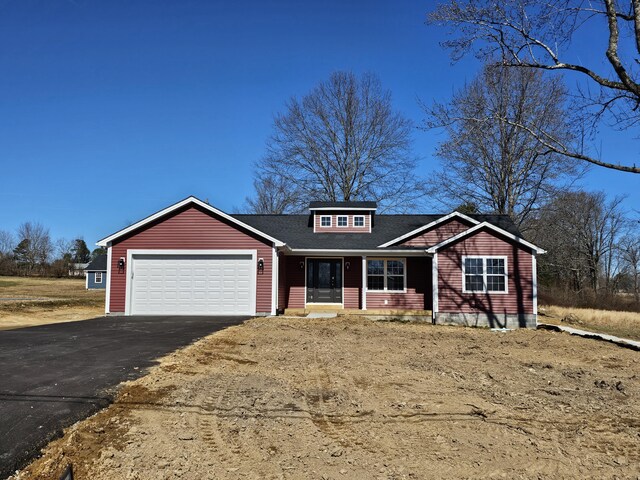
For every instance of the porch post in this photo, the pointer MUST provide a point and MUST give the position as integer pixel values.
(364, 282)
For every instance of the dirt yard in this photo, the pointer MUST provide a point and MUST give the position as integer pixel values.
(347, 398)
(29, 301)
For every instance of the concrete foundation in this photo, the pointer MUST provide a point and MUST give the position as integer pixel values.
(491, 320)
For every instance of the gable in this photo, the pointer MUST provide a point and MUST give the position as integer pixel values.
(437, 233)
(189, 227)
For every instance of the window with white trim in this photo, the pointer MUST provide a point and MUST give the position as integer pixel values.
(386, 275)
(358, 221)
(484, 274)
(325, 221)
(98, 278)
(343, 221)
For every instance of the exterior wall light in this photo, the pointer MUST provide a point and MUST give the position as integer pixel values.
(261, 265)
(347, 266)
(121, 263)
(301, 265)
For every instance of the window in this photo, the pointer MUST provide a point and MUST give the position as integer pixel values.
(343, 221)
(325, 221)
(358, 221)
(98, 277)
(485, 274)
(386, 275)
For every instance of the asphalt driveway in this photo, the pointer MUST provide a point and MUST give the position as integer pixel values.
(53, 375)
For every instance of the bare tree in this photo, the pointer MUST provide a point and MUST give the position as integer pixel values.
(486, 160)
(535, 35)
(341, 142)
(34, 246)
(272, 195)
(581, 231)
(7, 243)
(630, 256)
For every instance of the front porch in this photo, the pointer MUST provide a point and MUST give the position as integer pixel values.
(385, 286)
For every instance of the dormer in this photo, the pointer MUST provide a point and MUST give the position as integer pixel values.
(342, 217)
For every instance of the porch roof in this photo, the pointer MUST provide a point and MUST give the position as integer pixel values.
(297, 231)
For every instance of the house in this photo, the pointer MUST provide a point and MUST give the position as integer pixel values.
(77, 269)
(96, 273)
(193, 259)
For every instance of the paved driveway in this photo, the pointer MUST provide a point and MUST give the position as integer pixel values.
(54, 375)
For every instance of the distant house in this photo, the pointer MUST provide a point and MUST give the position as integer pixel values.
(77, 269)
(96, 273)
(193, 259)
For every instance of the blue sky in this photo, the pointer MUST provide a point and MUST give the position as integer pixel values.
(111, 110)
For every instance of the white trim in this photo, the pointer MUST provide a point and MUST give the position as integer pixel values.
(364, 221)
(490, 226)
(105, 241)
(354, 253)
(484, 274)
(430, 225)
(345, 209)
(129, 270)
(364, 282)
(275, 262)
(86, 280)
(330, 217)
(107, 299)
(305, 281)
(534, 269)
(434, 285)
(338, 217)
(404, 271)
(95, 278)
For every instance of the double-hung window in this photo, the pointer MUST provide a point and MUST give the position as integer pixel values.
(98, 278)
(325, 221)
(358, 221)
(343, 221)
(484, 274)
(387, 275)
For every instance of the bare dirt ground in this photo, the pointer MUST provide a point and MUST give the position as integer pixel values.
(347, 398)
(29, 301)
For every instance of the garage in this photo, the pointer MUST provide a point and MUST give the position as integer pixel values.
(191, 283)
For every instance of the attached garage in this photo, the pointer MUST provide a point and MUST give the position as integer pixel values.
(191, 259)
(192, 283)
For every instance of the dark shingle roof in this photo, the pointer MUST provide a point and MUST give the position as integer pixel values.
(371, 205)
(98, 264)
(297, 230)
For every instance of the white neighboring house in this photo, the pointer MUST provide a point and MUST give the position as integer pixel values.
(78, 269)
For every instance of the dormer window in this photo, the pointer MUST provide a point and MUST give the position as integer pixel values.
(358, 221)
(343, 221)
(325, 221)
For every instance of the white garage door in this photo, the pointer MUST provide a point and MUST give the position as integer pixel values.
(193, 284)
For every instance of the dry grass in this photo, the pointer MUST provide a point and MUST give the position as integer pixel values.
(27, 301)
(622, 324)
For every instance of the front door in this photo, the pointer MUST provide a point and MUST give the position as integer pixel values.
(324, 280)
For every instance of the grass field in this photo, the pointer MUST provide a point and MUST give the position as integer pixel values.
(622, 324)
(27, 301)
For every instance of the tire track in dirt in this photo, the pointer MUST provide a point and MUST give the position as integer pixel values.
(337, 427)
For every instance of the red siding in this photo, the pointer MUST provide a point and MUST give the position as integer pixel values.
(437, 234)
(191, 229)
(282, 280)
(418, 295)
(295, 287)
(334, 222)
(519, 269)
(352, 282)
